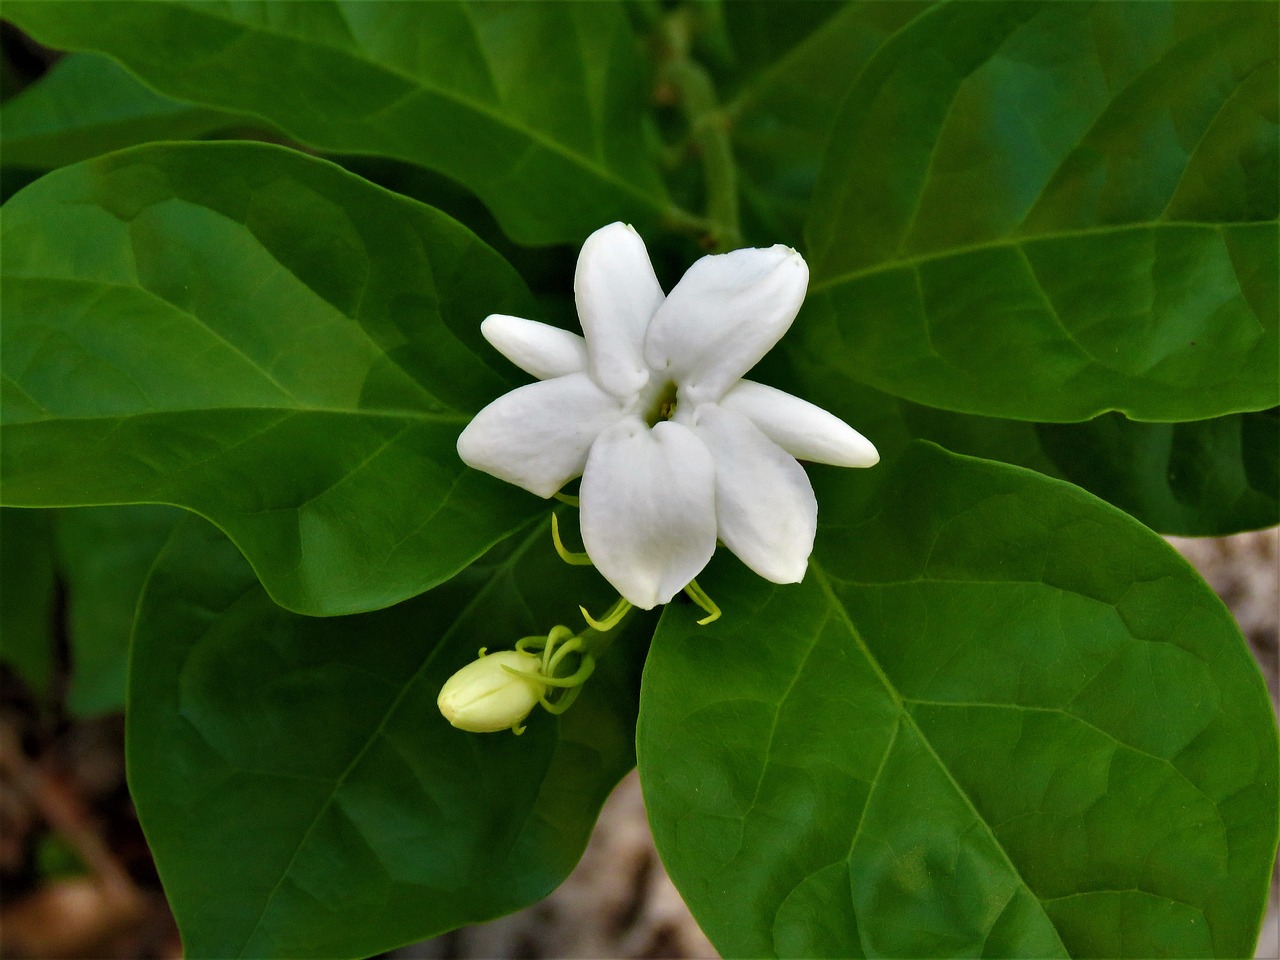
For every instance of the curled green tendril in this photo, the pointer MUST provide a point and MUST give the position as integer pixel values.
(576, 679)
(568, 556)
(564, 703)
(610, 619)
(699, 596)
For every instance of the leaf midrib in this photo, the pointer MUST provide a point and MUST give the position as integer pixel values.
(421, 84)
(417, 416)
(1020, 242)
(201, 324)
(905, 717)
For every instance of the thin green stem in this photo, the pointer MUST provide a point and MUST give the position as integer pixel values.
(708, 130)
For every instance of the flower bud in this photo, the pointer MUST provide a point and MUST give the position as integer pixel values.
(482, 697)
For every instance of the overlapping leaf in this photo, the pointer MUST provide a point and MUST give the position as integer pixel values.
(1049, 211)
(262, 338)
(999, 718)
(1200, 478)
(88, 105)
(537, 108)
(364, 820)
(1204, 478)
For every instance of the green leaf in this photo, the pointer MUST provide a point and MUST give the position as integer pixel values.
(300, 790)
(262, 338)
(88, 105)
(1206, 478)
(998, 718)
(800, 59)
(537, 108)
(27, 596)
(1051, 211)
(105, 554)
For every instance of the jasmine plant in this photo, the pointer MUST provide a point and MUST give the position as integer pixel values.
(296, 409)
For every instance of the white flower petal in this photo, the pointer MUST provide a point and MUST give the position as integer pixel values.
(725, 314)
(537, 436)
(765, 507)
(536, 348)
(617, 293)
(648, 509)
(804, 430)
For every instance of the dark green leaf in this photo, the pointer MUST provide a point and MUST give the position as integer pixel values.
(105, 554)
(999, 718)
(801, 58)
(262, 338)
(301, 792)
(537, 108)
(87, 105)
(1050, 211)
(1205, 478)
(26, 596)
(1201, 478)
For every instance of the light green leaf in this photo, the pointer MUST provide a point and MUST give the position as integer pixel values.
(998, 718)
(537, 108)
(264, 339)
(104, 555)
(27, 596)
(1052, 210)
(88, 105)
(372, 822)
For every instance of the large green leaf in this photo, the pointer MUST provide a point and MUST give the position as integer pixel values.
(87, 105)
(998, 718)
(105, 555)
(27, 596)
(538, 108)
(1052, 210)
(265, 339)
(301, 792)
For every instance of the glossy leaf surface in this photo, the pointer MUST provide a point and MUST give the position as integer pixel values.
(105, 555)
(88, 105)
(260, 337)
(368, 821)
(1079, 216)
(537, 108)
(998, 718)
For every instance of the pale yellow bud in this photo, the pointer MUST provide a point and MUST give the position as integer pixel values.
(482, 697)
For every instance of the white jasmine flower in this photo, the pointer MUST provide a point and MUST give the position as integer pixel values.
(674, 448)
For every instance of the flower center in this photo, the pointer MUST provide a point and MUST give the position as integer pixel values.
(662, 406)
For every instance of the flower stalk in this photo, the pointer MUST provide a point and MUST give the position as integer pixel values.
(689, 85)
